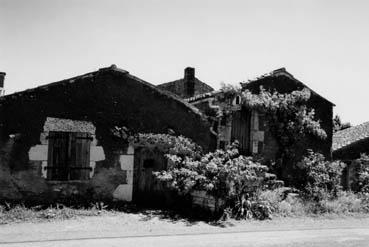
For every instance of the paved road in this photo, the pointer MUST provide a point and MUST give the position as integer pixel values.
(307, 237)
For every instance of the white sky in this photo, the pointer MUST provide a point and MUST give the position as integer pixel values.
(322, 43)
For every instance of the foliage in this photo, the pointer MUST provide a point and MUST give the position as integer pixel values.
(251, 207)
(20, 213)
(224, 174)
(292, 204)
(345, 202)
(322, 178)
(283, 202)
(361, 183)
(169, 144)
(288, 116)
(338, 125)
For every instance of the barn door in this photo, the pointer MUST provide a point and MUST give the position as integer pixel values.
(241, 130)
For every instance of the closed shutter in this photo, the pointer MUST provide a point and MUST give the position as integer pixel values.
(68, 156)
(261, 129)
(241, 130)
(58, 156)
(80, 156)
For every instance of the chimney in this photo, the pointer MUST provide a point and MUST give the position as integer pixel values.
(189, 82)
(2, 77)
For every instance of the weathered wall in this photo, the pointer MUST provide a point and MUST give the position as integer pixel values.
(106, 98)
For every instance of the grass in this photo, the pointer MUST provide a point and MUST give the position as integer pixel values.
(292, 205)
(20, 213)
(283, 205)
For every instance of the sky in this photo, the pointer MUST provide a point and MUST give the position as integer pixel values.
(323, 43)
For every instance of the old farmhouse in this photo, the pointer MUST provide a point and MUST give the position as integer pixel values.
(56, 140)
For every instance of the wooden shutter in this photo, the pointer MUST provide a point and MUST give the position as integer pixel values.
(241, 130)
(80, 156)
(58, 156)
(261, 128)
(69, 156)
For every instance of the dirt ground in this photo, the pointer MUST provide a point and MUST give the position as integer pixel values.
(154, 223)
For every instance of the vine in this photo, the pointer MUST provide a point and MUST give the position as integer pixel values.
(287, 115)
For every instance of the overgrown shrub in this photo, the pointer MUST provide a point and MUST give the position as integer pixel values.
(224, 174)
(322, 178)
(282, 202)
(292, 204)
(361, 182)
(173, 145)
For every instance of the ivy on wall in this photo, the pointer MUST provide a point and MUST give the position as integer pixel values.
(287, 115)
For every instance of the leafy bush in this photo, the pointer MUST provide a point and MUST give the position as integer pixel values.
(169, 144)
(284, 203)
(345, 202)
(224, 174)
(361, 182)
(322, 178)
(292, 204)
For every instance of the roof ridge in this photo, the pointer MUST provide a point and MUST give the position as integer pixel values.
(112, 67)
(283, 71)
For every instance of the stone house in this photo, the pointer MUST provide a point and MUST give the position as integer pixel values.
(250, 128)
(56, 140)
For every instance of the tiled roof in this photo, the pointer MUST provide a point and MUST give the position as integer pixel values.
(112, 68)
(177, 87)
(350, 135)
(203, 96)
(274, 73)
(281, 72)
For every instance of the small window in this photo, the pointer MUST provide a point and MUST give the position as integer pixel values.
(68, 156)
(149, 163)
(238, 100)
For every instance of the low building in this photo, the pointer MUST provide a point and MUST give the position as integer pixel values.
(57, 141)
(348, 145)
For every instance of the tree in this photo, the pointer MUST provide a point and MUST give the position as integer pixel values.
(338, 125)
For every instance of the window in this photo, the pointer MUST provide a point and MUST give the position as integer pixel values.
(68, 156)
(238, 100)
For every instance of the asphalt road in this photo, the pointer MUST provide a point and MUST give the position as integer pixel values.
(307, 237)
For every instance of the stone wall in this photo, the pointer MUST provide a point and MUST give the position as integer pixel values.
(96, 103)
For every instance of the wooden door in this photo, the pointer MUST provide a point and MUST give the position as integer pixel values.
(147, 188)
(241, 130)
